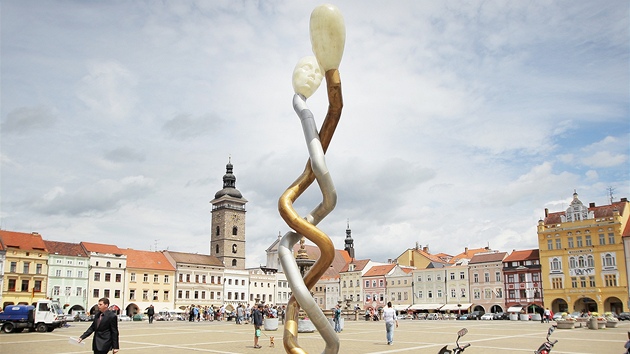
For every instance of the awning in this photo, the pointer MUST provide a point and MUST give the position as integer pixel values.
(426, 306)
(515, 309)
(454, 307)
(400, 307)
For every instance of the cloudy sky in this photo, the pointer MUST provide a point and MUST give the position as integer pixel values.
(462, 120)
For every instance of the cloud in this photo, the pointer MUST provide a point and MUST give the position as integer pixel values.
(124, 154)
(184, 126)
(24, 120)
(608, 152)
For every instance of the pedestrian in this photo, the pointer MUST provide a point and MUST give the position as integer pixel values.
(248, 313)
(547, 315)
(240, 311)
(627, 346)
(257, 318)
(337, 318)
(105, 329)
(389, 316)
(150, 313)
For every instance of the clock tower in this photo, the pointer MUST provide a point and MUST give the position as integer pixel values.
(227, 234)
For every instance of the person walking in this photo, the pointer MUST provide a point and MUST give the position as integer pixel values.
(547, 315)
(257, 318)
(389, 316)
(105, 329)
(150, 313)
(337, 318)
(240, 311)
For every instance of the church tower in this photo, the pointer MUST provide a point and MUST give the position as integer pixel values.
(349, 242)
(227, 238)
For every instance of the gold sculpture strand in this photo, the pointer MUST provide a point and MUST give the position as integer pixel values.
(302, 226)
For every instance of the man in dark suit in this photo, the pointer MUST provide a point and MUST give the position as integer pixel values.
(105, 329)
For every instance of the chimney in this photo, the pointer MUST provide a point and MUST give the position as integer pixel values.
(465, 250)
(591, 205)
(546, 212)
(624, 199)
(417, 246)
(425, 249)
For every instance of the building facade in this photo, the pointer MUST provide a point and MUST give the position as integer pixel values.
(486, 281)
(457, 299)
(106, 274)
(199, 279)
(68, 270)
(429, 286)
(151, 281)
(26, 268)
(375, 287)
(582, 257)
(522, 276)
(262, 286)
(399, 291)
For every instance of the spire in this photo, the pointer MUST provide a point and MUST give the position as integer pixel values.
(349, 242)
(229, 183)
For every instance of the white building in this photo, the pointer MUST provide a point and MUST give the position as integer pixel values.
(106, 275)
(235, 287)
(199, 279)
(68, 268)
(262, 286)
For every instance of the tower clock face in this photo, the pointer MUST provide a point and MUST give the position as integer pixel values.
(235, 218)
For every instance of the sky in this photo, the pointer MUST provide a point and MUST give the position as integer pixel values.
(462, 120)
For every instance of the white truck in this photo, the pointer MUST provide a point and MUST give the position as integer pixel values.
(45, 316)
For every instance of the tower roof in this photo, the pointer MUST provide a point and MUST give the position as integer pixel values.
(229, 184)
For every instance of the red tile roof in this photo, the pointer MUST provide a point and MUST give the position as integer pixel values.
(359, 264)
(338, 263)
(488, 257)
(101, 248)
(22, 240)
(65, 249)
(524, 255)
(147, 260)
(626, 230)
(598, 211)
(379, 270)
(468, 253)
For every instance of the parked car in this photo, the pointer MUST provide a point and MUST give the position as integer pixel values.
(124, 318)
(624, 316)
(475, 315)
(557, 316)
(501, 316)
(487, 317)
(463, 317)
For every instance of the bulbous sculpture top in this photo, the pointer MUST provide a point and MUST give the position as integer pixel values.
(328, 35)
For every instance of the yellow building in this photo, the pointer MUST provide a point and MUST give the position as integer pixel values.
(150, 279)
(582, 257)
(26, 268)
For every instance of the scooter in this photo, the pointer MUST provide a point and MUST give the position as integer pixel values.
(458, 349)
(545, 348)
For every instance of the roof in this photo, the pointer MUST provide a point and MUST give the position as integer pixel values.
(194, 258)
(626, 230)
(488, 257)
(359, 264)
(22, 240)
(524, 255)
(339, 262)
(147, 260)
(101, 248)
(598, 211)
(379, 270)
(65, 249)
(468, 253)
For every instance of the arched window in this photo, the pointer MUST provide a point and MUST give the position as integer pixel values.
(590, 261)
(216, 249)
(218, 232)
(556, 264)
(109, 264)
(581, 263)
(609, 260)
(572, 263)
(234, 231)
(234, 263)
(234, 248)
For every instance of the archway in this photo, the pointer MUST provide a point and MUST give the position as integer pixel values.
(132, 309)
(585, 304)
(479, 308)
(559, 306)
(496, 308)
(75, 309)
(614, 305)
(93, 310)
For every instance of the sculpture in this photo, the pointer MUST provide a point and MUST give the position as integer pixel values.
(327, 32)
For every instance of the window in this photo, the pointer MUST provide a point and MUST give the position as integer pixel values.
(118, 278)
(109, 264)
(133, 277)
(187, 294)
(145, 278)
(536, 277)
(374, 283)
(97, 276)
(583, 282)
(106, 293)
(95, 293)
(609, 260)
(572, 263)
(156, 278)
(430, 294)
(556, 265)
(79, 274)
(26, 267)
(499, 293)
(439, 293)
(476, 294)
(462, 293)
(462, 276)
(234, 231)
(558, 243)
(117, 294)
(588, 240)
(58, 272)
(602, 239)
(367, 283)
(611, 238)
(234, 263)
(12, 284)
(556, 283)
(108, 277)
(497, 276)
(420, 294)
(574, 283)
(132, 294)
(487, 294)
(145, 294)
(486, 277)
(476, 278)
(438, 277)
(549, 245)
(166, 280)
(187, 278)
(68, 274)
(79, 291)
(419, 278)
(452, 276)
(68, 291)
(570, 242)
(56, 290)
(13, 268)
(510, 278)
(610, 279)
(591, 281)
(38, 268)
(155, 295)
(165, 295)
(579, 241)
(179, 294)
(380, 282)
(196, 278)
(218, 232)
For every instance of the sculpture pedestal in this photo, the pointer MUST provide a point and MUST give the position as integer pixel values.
(270, 324)
(305, 326)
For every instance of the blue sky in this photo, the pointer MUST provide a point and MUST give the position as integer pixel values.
(462, 120)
